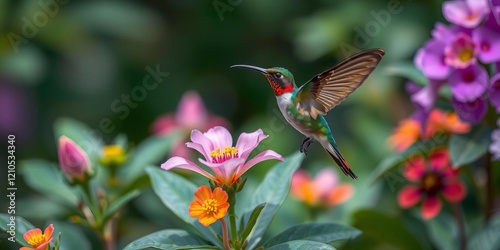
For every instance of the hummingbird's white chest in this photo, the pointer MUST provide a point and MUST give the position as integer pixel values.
(285, 103)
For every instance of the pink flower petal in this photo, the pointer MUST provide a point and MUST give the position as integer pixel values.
(439, 159)
(409, 196)
(325, 182)
(415, 168)
(220, 137)
(454, 191)
(262, 156)
(226, 171)
(163, 125)
(299, 179)
(178, 162)
(431, 207)
(461, 13)
(248, 142)
(191, 112)
(203, 144)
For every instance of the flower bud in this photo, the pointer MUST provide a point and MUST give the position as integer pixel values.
(73, 160)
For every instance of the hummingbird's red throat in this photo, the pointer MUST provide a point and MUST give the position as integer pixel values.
(279, 89)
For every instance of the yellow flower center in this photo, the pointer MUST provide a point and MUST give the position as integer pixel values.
(113, 154)
(37, 240)
(466, 54)
(210, 206)
(219, 156)
(431, 183)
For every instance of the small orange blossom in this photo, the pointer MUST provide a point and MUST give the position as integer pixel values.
(209, 206)
(39, 240)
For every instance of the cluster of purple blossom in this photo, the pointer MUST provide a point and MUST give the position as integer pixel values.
(466, 55)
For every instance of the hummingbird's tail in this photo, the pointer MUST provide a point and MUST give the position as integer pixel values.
(334, 152)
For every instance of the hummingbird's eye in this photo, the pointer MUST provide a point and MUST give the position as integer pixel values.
(278, 75)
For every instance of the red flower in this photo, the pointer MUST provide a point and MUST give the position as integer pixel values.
(430, 179)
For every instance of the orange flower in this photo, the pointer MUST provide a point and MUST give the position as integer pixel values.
(208, 206)
(39, 240)
(407, 132)
(438, 121)
(323, 190)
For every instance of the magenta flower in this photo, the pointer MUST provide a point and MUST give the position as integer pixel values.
(488, 43)
(429, 181)
(470, 83)
(73, 160)
(226, 161)
(460, 53)
(468, 13)
(471, 111)
(191, 114)
(494, 91)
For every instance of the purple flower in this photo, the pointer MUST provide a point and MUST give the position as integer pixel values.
(468, 84)
(460, 53)
(430, 60)
(495, 142)
(488, 44)
(470, 111)
(468, 13)
(494, 91)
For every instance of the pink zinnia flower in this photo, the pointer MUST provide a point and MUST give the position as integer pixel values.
(323, 190)
(73, 160)
(468, 13)
(430, 179)
(228, 162)
(191, 114)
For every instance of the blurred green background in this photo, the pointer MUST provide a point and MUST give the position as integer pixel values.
(79, 59)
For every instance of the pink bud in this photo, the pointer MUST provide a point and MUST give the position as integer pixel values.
(73, 160)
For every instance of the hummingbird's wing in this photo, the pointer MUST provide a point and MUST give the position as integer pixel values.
(326, 90)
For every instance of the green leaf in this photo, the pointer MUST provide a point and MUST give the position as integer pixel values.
(251, 222)
(272, 191)
(45, 178)
(301, 245)
(486, 238)
(168, 239)
(119, 203)
(320, 232)
(151, 151)
(89, 140)
(442, 230)
(177, 193)
(408, 71)
(21, 227)
(383, 228)
(466, 148)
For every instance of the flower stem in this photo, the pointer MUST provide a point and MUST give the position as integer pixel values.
(459, 217)
(489, 189)
(109, 233)
(225, 237)
(232, 216)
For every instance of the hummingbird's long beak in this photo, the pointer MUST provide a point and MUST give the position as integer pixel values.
(261, 70)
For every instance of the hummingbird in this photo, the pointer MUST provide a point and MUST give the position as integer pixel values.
(305, 107)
